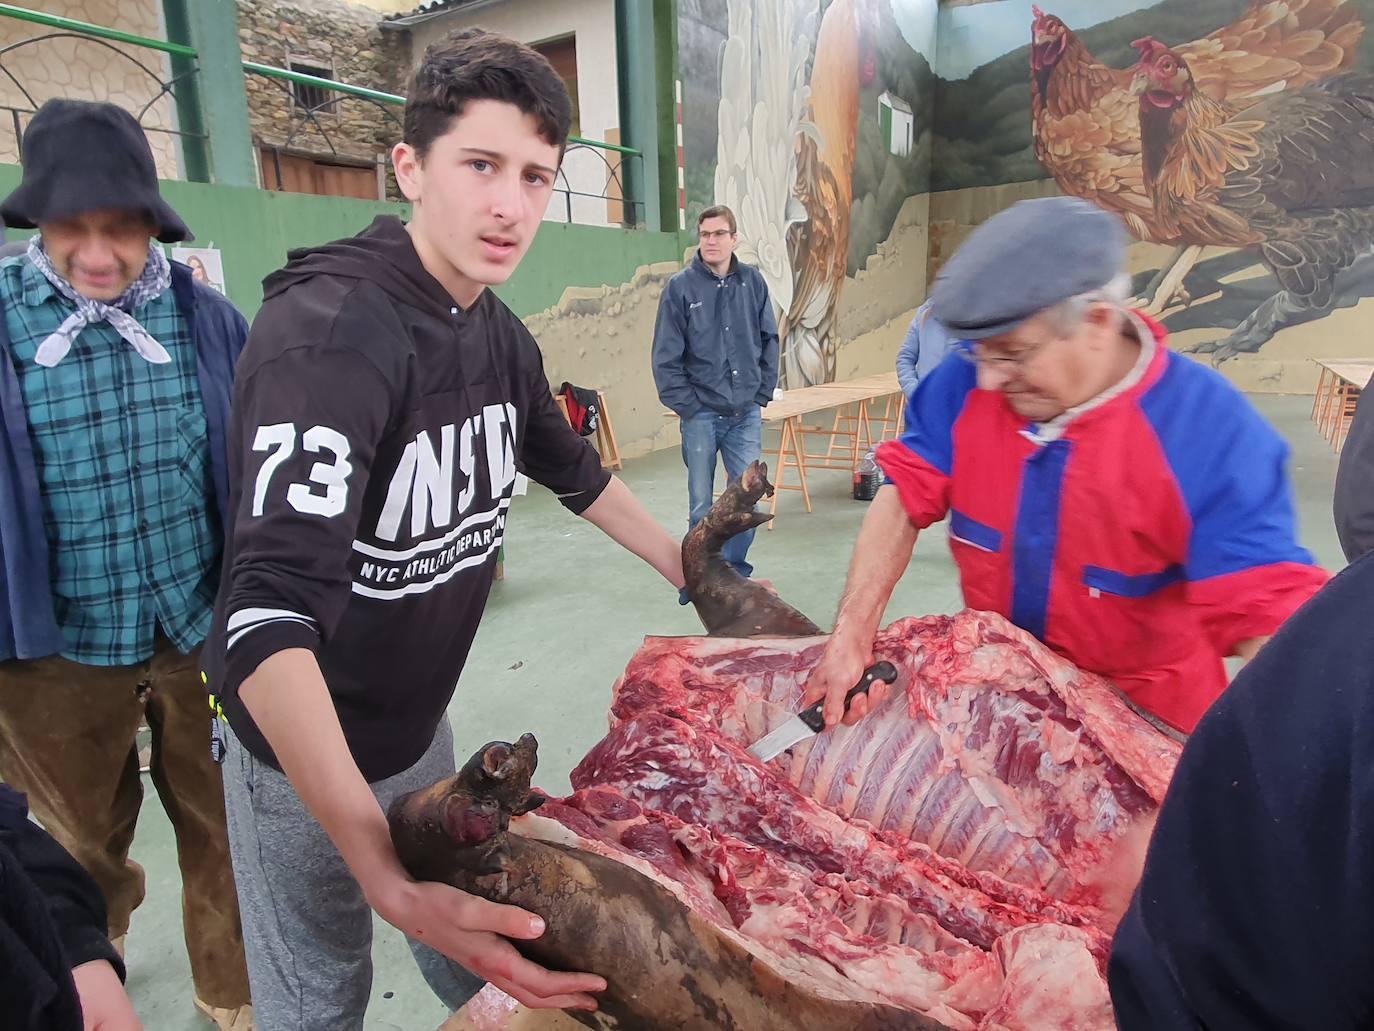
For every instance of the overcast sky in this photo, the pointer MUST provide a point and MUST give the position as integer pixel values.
(916, 19)
(973, 35)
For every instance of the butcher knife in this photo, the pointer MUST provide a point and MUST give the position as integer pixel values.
(811, 720)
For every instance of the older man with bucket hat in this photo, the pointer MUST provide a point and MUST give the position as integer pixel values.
(114, 400)
(1122, 503)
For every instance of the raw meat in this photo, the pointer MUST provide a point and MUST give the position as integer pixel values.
(998, 754)
(956, 861)
(973, 838)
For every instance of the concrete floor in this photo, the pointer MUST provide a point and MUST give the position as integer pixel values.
(559, 630)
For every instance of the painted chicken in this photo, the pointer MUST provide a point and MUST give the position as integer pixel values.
(1083, 113)
(785, 159)
(1291, 175)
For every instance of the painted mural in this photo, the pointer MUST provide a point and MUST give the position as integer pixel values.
(1236, 141)
(812, 120)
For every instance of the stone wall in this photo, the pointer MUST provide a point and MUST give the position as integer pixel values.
(88, 69)
(344, 37)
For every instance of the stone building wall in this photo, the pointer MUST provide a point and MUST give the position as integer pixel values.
(332, 34)
(87, 69)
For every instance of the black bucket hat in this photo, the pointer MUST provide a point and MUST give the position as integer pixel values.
(79, 157)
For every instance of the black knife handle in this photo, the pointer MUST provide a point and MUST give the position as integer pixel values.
(814, 715)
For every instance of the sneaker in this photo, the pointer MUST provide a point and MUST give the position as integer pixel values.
(240, 1018)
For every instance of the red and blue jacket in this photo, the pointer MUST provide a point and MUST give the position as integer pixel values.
(1153, 536)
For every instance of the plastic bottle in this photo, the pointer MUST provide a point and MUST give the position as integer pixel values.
(867, 478)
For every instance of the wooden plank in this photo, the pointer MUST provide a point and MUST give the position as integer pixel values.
(1356, 373)
(345, 181)
(605, 434)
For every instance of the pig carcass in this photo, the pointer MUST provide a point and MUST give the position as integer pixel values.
(957, 860)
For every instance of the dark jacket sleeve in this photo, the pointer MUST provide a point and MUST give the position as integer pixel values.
(73, 902)
(1354, 505)
(551, 453)
(768, 344)
(670, 354)
(307, 422)
(1253, 910)
(221, 332)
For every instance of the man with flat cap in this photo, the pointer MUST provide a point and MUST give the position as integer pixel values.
(1125, 505)
(114, 401)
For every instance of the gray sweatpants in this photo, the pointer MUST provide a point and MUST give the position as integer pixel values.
(307, 929)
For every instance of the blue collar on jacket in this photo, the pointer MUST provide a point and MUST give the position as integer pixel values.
(28, 626)
(701, 266)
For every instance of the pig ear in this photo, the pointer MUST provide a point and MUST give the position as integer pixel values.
(496, 760)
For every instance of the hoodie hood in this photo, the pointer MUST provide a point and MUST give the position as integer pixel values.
(382, 254)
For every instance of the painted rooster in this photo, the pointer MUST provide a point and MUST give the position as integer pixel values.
(785, 159)
(1083, 113)
(1291, 175)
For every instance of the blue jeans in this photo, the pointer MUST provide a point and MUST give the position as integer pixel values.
(739, 439)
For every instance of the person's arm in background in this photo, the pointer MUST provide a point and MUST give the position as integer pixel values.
(54, 889)
(909, 354)
(768, 346)
(1354, 501)
(670, 355)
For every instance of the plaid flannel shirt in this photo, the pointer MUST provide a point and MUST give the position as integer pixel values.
(124, 469)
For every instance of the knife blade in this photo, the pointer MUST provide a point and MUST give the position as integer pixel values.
(811, 720)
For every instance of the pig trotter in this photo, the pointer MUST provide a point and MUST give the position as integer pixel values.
(729, 605)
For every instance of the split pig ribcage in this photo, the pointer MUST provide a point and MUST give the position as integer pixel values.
(1005, 782)
(968, 784)
(945, 854)
(665, 765)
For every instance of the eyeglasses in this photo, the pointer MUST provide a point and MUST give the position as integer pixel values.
(1007, 363)
(713, 234)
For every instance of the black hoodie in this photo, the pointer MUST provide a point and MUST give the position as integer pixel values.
(376, 434)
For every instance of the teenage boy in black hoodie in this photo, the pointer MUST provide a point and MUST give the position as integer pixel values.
(386, 401)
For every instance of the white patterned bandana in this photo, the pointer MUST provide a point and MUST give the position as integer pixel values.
(156, 277)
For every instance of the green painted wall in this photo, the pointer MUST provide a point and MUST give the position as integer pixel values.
(255, 228)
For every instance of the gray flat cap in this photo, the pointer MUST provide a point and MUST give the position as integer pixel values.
(1024, 260)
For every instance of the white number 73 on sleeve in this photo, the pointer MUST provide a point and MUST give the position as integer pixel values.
(279, 441)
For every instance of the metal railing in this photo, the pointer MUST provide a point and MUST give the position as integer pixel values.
(159, 85)
(311, 120)
(305, 120)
